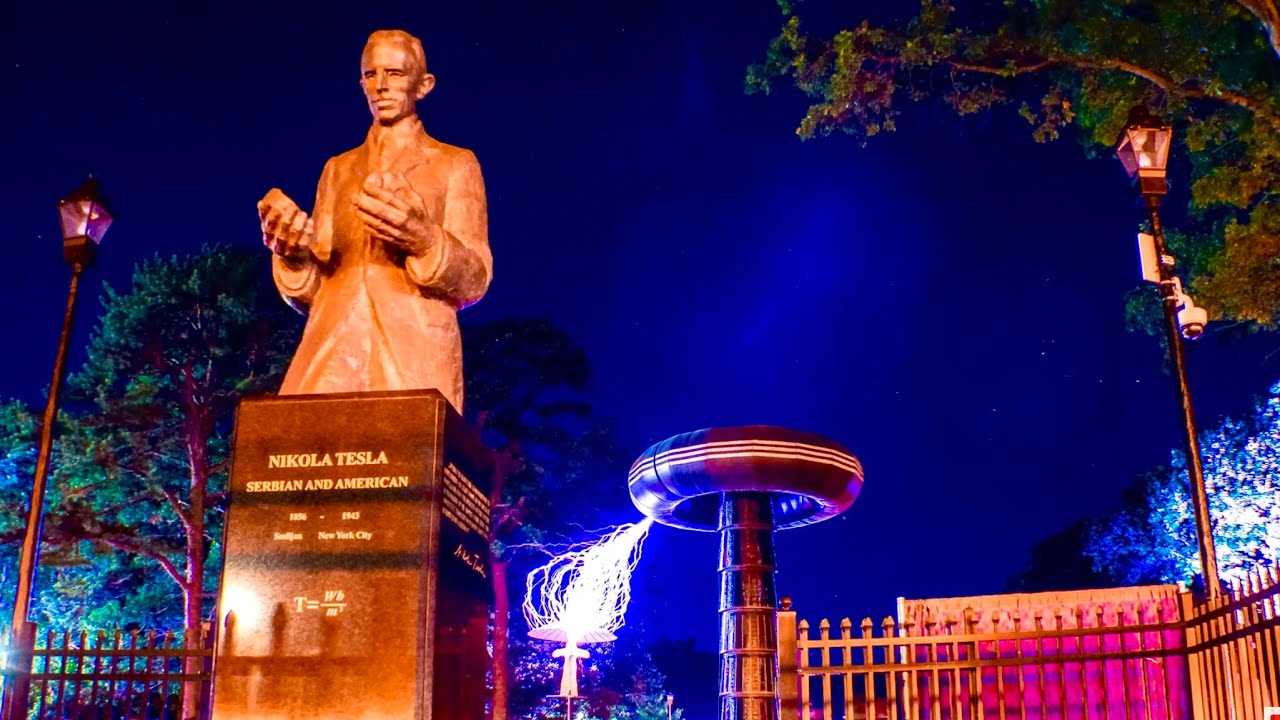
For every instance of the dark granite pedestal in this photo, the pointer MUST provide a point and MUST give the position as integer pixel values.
(354, 579)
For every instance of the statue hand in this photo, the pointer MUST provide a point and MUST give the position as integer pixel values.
(286, 229)
(395, 214)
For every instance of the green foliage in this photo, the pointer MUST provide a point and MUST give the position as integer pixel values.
(192, 335)
(17, 466)
(136, 496)
(76, 584)
(1210, 67)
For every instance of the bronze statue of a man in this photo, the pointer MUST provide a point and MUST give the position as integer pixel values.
(396, 245)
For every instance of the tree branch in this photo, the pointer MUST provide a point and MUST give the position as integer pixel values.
(86, 489)
(128, 546)
(181, 512)
(1003, 70)
(111, 509)
(1253, 105)
(1269, 15)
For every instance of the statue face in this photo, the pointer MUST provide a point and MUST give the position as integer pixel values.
(391, 81)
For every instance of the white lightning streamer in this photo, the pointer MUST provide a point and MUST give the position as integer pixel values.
(582, 595)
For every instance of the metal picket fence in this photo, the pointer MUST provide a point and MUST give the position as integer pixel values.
(120, 675)
(1173, 659)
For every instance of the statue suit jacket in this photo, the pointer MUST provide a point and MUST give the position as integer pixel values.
(378, 319)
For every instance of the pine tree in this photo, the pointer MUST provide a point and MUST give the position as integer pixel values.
(527, 383)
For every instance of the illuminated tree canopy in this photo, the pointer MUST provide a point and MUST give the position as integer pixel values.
(1152, 538)
(1211, 67)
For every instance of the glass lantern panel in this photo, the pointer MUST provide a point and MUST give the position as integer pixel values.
(1160, 152)
(83, 216)
(1125, 153)
(1145, 148)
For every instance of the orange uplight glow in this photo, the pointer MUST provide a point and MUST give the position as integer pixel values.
(242, 603)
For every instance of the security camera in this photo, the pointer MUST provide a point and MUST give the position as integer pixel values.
(1191, 320)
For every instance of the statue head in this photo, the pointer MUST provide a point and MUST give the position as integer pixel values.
(393, 74)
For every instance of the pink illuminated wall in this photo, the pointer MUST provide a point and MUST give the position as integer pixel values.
(1130, 670)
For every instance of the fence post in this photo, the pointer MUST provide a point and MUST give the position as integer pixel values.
(17, 689)
(788, 669)
(1195, 655)
(206, 668)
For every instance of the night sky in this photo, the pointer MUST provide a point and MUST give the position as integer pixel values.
(947, 302)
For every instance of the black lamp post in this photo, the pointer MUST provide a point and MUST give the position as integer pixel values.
(85, 219)
(1143, 147)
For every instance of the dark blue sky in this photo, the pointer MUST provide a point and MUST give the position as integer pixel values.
(947, 302)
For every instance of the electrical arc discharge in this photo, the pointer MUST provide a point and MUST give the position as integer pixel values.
(581, 596)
